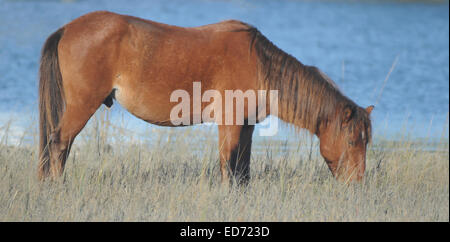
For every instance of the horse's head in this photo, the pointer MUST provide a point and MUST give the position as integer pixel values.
(343, 144)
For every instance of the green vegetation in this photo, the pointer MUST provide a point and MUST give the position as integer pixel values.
(175, 177)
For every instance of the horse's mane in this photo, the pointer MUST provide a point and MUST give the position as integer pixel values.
(307, 97)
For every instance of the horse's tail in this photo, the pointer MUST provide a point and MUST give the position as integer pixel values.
(51, 98)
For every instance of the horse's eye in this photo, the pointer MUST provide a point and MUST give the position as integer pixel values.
(351, 143)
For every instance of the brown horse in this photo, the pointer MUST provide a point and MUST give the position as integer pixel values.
(104, 56)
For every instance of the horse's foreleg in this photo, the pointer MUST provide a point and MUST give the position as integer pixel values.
(235, 143)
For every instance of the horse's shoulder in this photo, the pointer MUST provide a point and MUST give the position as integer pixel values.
(234, 23)
(225, 26)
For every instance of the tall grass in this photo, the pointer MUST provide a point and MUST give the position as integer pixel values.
(172, 175)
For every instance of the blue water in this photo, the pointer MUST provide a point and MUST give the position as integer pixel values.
(355, 43)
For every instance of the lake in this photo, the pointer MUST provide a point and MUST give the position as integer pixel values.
(356, 43)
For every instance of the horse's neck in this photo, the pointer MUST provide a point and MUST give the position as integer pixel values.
(305, 97)
(305, 94)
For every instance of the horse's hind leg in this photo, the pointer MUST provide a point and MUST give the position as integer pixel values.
(72, 122)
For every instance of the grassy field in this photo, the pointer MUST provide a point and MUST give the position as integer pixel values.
(174, 176)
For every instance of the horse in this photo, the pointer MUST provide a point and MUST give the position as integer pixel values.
(102, 57)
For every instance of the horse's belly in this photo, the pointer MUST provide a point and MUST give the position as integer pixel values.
(154, 109)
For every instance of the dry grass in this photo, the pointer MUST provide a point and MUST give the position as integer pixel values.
(174, 176)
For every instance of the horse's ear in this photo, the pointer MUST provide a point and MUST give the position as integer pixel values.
(348, 113)
(369, 109)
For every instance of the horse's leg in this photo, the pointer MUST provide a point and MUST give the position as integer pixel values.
(235, 143)
(72, 122)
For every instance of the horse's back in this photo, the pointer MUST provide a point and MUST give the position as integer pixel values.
(121, 40)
